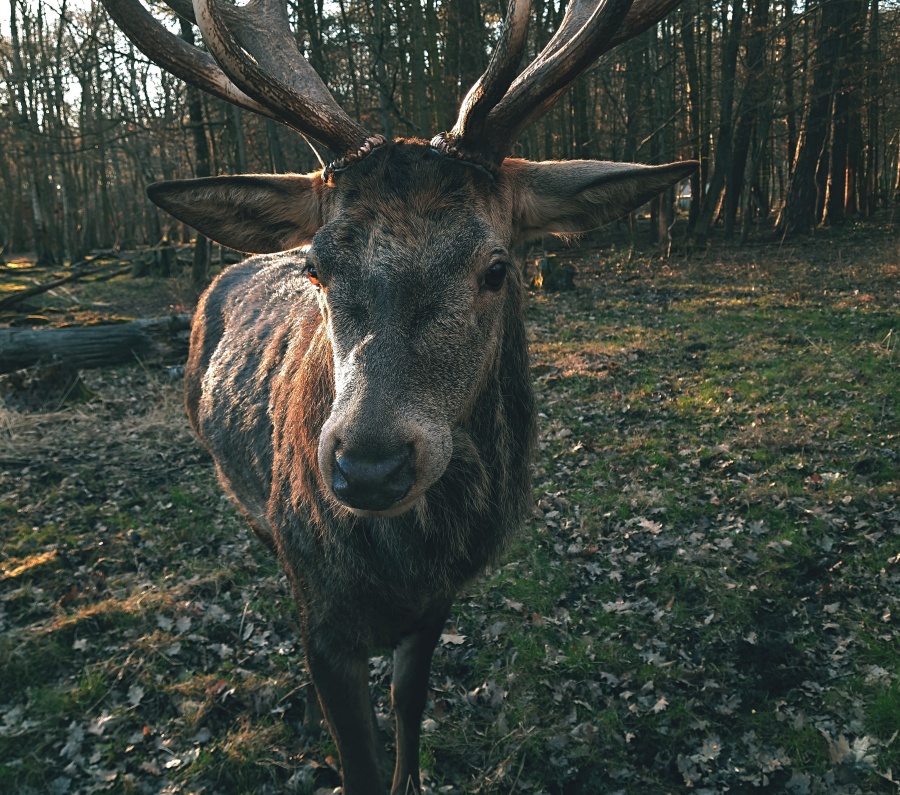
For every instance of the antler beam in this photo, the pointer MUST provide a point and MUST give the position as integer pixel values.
(257, 65)
(583, 35)
(255, 47)
(177, 56)
(494, 83)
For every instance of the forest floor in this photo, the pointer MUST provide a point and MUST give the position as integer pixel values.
(706, 599)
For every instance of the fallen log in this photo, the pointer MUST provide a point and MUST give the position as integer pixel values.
(162, 340)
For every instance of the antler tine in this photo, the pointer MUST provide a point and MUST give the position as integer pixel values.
(497, 78)
(585, 33)
(256, 49)
(177, 56)
(489, 124)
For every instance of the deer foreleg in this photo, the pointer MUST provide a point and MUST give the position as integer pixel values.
(342, 682)
(409, 689)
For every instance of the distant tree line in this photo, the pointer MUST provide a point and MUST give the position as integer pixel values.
(791, 106)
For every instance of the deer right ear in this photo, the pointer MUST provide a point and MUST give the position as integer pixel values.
(574, 196)
(256, 214)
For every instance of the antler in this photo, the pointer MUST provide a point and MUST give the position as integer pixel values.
(488, 128)
(257, 66)
(493, 84)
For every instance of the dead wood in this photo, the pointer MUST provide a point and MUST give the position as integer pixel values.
(80, 270)
(162, 339)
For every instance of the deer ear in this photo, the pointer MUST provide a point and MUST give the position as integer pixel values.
(258, 214)
(574, 196)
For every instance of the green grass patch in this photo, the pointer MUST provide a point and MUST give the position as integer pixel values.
(705, 599)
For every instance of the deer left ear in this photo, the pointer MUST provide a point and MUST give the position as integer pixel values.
(574, 196)
(257, 214)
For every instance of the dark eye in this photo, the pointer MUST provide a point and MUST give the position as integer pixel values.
(312, 274)
(495, 275)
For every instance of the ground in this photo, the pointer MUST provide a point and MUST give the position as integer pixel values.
(705, 599)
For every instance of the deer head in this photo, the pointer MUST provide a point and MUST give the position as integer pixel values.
(410, 241)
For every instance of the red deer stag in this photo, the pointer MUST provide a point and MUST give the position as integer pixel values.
(367, 399)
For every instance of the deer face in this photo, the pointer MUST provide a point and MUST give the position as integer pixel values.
(410, 259)
(413, 282)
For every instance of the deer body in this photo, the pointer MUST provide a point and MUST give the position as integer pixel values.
(404, 340)
(367, 399)
(260, 386)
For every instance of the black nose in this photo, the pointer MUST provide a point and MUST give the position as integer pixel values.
(372, 484)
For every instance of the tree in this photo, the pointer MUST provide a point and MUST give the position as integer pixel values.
(200, 266)
(26, 95)
(790, 110)
(805, 198)
(732, 20)
(751, 107)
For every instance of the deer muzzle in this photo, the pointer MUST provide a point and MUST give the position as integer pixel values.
(381, 465)
(373, 481)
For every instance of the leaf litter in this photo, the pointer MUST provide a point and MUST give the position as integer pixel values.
(704, 600)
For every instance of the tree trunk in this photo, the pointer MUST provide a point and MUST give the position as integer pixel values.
(694, 112)
(310, 18)
(385, 93)
(662, 59)
(855, 76)
(351, 60)
(842, 185)
(752, 99)
(723, 152)
(465, 48)
(873, 114)
(240, 145)
(803, 200)
(200, 265)
(27, 124)
(787, 75)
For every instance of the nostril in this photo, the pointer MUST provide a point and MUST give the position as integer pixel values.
(372, 483)
(366, 470)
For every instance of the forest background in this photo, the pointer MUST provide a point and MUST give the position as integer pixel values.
(790, 106)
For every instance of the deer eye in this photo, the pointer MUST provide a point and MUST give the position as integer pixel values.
(312, 274)
(493, 279)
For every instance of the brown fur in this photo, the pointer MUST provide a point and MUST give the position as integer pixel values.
(402, 346)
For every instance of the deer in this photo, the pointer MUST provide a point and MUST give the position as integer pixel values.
(362, 383)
